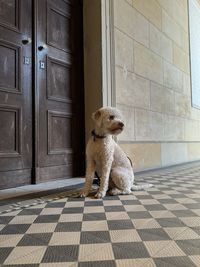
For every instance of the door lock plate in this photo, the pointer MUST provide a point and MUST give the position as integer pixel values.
(27, 60)
(42, 64)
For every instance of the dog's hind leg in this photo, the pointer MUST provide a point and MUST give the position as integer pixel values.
(121, 182)
(115, 191)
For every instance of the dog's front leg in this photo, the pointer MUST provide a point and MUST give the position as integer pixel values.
(104, 179)
(88, 178)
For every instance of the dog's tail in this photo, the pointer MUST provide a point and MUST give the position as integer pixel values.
(140, 187)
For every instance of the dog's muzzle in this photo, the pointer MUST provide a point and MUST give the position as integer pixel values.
(118, 127)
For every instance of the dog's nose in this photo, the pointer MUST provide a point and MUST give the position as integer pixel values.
(121, 124)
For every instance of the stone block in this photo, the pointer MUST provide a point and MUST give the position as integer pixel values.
(147, 63)
(173, 128)
(160, 44)
(123, 50)
(186, 84)
(141, 28)
(129, 1)
(192, 130)
(129, 120)
(182, 105)
(171, 28)
(131, 89)
(151, 10)
(193, 151)
(180, 59)
(185, 42)
(148, 125)
(162, 99)
(172, 77)
(173, 153)
(144, 155)
(123, 16)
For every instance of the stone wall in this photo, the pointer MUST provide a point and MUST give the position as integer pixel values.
(153, 91)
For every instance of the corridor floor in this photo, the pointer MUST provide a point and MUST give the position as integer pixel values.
(158, 227)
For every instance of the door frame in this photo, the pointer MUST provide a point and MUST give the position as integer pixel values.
(35, 168)
(99, 57)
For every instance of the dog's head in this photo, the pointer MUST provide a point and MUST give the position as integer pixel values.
(108, 120)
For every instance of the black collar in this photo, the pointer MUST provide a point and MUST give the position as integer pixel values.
(97, 136)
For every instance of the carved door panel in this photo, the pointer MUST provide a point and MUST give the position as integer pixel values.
(15, 92)
(60, 89)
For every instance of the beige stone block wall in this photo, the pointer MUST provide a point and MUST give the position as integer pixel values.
(144, 156)
(152, 76)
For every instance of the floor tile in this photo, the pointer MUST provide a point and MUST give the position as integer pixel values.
(90, 209)
(119, 224)
(180, 261)
(40, 239)
(107, 263)
(124, 236)
(190, 246)
(4, 253)
(117, 215)
(153, 234)
(170, 222)
(145, 223)
(159, 249)
(139, 214)
(26, 255)
(65, 238)
(94, 226)
(94, 237)
(59, 264)
(94, 216)
(147, 262)
(63, 253)
(76, 217)
(15, 229)
(129, 250)
(68, 227)
(95, 252)
(195, 259)
(47, 218)
(41, 228)
(191, 221)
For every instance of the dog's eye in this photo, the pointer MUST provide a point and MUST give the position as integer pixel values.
(111, 117)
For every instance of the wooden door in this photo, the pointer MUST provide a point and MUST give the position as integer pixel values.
(59, 97)
(15, 92)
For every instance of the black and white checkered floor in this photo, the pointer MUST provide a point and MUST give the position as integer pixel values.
(157, 227)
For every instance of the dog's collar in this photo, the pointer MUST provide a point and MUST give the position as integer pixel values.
(97, 136)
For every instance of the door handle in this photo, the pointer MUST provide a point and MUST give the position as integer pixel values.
(42, 47)
(26, 41)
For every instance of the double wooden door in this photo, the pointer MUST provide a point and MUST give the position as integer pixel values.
(41, 91)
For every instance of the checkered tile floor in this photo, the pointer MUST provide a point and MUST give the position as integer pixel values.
(157, 227)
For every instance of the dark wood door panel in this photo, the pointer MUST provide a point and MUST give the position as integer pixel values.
(60, 84)
(59, 25)
(59, 80)
(10, 72)
(10, 14)
(15, 92)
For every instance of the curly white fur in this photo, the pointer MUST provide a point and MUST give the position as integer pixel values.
(106, 158)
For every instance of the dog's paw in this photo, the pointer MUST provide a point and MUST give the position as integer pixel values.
(84, 194)
(100, 195)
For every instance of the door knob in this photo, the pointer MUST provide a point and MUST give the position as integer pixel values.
(26, 41)
(42, 47)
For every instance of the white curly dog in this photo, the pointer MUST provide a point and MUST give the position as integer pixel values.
(106, 158)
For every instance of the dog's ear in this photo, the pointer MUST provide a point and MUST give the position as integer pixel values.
(96, 115)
